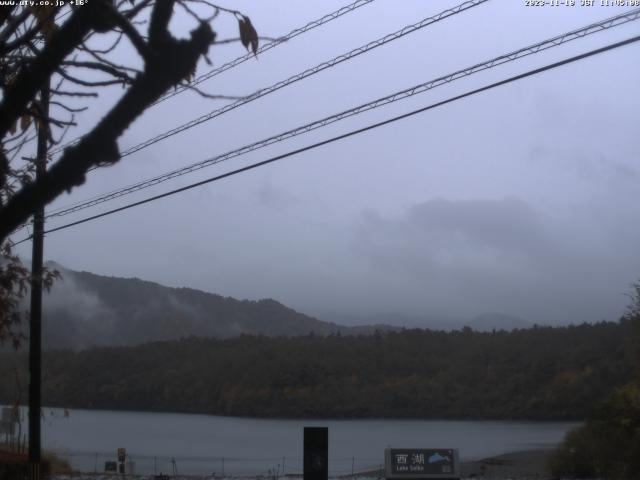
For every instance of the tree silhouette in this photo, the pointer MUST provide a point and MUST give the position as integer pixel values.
(41, 44)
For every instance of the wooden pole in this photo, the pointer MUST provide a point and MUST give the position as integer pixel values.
(35, 319)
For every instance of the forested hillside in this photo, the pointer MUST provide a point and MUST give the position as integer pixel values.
(539, 373)
(85, 309)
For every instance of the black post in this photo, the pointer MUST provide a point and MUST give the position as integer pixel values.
(35, 320)
(316, 453)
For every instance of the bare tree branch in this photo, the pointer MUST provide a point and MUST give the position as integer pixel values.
(67, 108)
(133, 35)
(159, 27)
(99, 147)
(32, 77)
(96, 83)
(14, 24)
(106, 50)
(111, 70)
(67, 93)
(211, 96)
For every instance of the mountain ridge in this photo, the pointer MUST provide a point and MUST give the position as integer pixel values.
(84, 310)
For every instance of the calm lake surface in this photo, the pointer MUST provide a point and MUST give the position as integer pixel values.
(202, 444)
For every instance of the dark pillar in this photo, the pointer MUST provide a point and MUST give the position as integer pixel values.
(316, 453)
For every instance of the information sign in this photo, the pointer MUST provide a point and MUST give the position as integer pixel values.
(423, 463)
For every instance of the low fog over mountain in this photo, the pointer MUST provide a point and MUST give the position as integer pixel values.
(84, 309)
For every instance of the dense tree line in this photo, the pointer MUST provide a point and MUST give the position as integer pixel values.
(607, 445)
(538, 373)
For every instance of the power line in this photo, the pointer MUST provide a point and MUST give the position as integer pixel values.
(268, 46)
(249, 55)
(351, 133)
(265, 91)
(421, 88)
(305, 74)
(309, 72)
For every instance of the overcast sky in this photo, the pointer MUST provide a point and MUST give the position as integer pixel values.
(521, 200)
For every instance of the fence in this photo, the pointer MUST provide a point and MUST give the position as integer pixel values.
(219, 467)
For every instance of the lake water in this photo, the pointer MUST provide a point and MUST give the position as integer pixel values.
(202, 444)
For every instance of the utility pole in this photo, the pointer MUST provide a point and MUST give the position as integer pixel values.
(35, 319)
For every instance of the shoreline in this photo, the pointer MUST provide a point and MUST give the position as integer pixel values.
(519, 465)
(316, 418)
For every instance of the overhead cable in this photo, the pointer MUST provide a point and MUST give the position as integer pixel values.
(409, 92)
(305, 74)
(351, 133)
(268, 46)
(249, 55)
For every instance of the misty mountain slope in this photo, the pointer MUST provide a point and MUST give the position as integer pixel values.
(84, 309)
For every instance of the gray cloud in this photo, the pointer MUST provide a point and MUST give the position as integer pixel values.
(270, 196)
(469, 234)
(470, 256)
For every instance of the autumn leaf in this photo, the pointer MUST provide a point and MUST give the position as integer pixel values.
(42, 13)
(25, 121)
(46, 18)
(248, 34)
(243, 35)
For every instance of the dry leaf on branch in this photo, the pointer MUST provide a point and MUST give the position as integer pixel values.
(25, 121)
(45, 14)
(248, 34)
